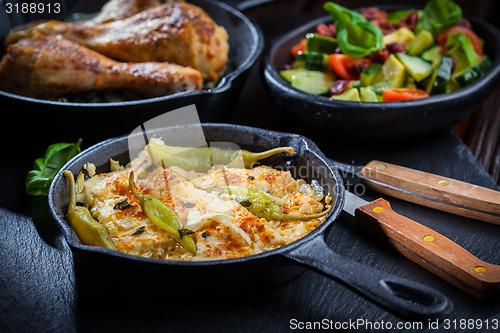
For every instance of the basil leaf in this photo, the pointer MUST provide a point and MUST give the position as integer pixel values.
(122, 205)
(183, 232)
(357, 36)
(187, 204)
(139, 231)
(439, 15)
(45, 168)
(246, 203)
(460, 47)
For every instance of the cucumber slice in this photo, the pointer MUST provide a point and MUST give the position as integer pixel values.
(320, 43)
(470, 75)
(368, 74)
(348, 95)
(439, 81)
(312, 82)
(314, 61)
(418, 68)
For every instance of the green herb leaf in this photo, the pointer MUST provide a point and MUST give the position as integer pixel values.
(251, 177)
(357, 37)
(139, 231)
(205, 234)
(439, 15)
(246, 203)
(45, 168)
(187, 204)
(460, 47)
(183, 232)
(122, 205)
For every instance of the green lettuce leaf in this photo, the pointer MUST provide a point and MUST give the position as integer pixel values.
(45, 168)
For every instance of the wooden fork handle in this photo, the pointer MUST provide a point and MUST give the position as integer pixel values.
(430, 250)
(433, 191)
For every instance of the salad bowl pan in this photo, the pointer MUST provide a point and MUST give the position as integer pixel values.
(256, 272)
(358, 121)
(246, 44)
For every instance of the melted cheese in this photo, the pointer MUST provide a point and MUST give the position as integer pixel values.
(222, 229)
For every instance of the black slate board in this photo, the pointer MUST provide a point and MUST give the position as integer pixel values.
(42, 291)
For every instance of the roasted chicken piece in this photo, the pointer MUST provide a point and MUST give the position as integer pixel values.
(115, 10)
(175, 32)
(53, 66)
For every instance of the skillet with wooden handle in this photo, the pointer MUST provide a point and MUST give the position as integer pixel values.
(419, 243)
(405, 297)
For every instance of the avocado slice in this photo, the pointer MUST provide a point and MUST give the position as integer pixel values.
(422, 41)
(348, 95)
(367, 94)
(402, 35)
(433, 56)
(391, 75)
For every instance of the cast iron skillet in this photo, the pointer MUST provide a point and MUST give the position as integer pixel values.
(246, 44)
(404, 297)
(382, 121)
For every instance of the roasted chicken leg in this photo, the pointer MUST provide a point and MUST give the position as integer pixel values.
(175, 32)
(115, 10)
(53, 66)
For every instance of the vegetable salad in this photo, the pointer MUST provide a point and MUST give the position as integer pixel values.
(376, 56)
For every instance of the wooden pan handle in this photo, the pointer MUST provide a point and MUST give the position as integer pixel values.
(430, 250)
(447, 194)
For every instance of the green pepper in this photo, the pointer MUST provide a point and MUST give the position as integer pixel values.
(163, 217)
(439, 15)
(357, 37)
(261, 205)
(202, 159)
(90, 231)
(460, 47)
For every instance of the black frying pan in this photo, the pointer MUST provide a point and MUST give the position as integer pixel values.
(118, 118)
(404, 297)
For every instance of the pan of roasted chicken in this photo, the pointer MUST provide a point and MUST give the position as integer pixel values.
(128, 60)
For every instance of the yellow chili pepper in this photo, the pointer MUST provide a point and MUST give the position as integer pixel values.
(259, 204)
(90, 231)
(163, 217)
(202, 159)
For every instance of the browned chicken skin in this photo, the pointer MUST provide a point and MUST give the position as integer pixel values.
(174, 32)
(115, 10)
(53, 66)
